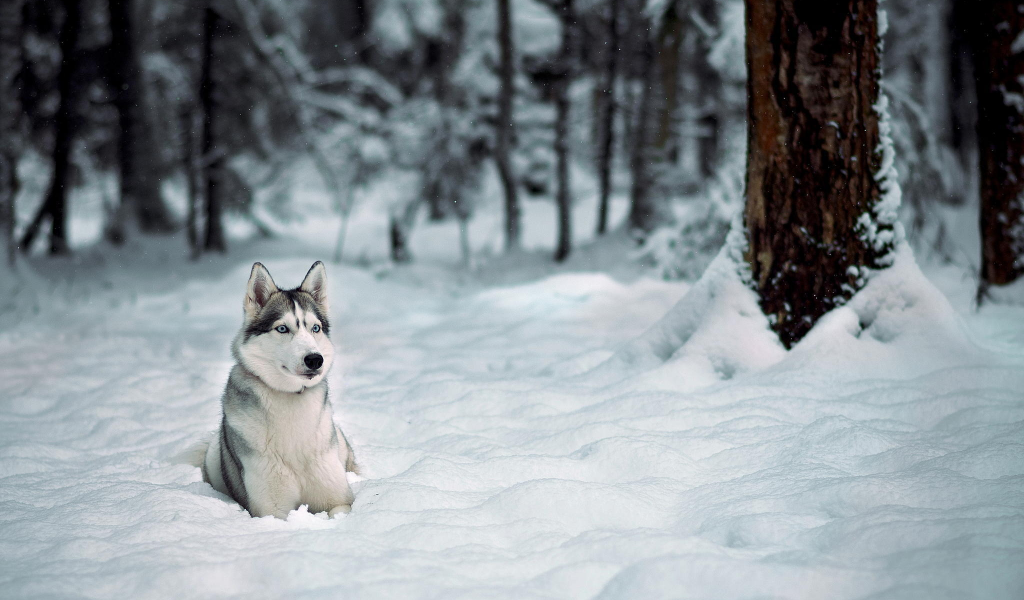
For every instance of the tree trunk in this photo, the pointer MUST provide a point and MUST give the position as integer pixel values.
(607, 118)
(1001, 141)
(399, 228)
(506, 125)
(813, 214)
(212, 161)
(10, 120)
(193, 177)
(670, 44)
(709, 84)
(139, 191)
(55, 204)
(563, 195)
(644, 213)
(963, 111)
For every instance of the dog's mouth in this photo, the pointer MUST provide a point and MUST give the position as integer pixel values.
(307, 374)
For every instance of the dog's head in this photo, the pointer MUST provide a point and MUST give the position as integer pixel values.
(284, 339)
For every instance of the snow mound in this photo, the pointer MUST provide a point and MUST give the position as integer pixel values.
(715, 332)
(862, 464)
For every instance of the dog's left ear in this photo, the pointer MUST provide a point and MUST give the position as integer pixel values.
(315, 284)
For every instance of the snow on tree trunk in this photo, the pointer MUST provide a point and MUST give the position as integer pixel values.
(506, 127)
(999, 47)
(10, 119)
(212, 162)
(821, 191)
(140, 191)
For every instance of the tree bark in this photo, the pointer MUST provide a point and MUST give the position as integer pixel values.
(1001, 141)
(506, 124)
(140, 192)
(10, 120)
(813, 155)
(607, 117)
(212, 161)
(55, 204)
(644, 213)
(563, 194)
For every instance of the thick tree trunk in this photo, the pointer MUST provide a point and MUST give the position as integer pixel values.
(212, 161)
(10, 120)
(1001, 141)
(563, 194)
(140, 192)
(506, 125)
(813, 156)
(644, 213)
(55, 204)
(607, 118)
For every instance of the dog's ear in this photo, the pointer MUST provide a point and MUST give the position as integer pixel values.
(261, 286)
(315, 284)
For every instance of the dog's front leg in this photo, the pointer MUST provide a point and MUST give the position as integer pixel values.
(271, 492)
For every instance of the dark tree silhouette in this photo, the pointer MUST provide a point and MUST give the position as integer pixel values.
(212, 159)
(55, 204)
(10, 119)
(140, 191)
(1000, 141)
(606, 125)
(506, 124)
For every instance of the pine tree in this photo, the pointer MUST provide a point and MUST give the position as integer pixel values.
(820, 204)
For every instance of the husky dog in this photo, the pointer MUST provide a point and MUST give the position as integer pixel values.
(278, 446)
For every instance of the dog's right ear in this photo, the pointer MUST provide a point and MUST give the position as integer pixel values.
(261, 286)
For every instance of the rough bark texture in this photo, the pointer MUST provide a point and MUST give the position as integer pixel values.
(506, 125)
(813, 143)
(212, 162)
(607, 117)
(140, 192)
(55, 204)
(563, 194)
(1001, 141)
(10, 120)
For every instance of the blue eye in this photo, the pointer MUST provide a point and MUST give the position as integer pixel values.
(281, 329)
(316, 329)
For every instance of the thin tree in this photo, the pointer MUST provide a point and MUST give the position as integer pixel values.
(643, 211)
(565, 69)
(55, 204)
(140, 191)
(212, 162)
(606, 126)
(506, 124)
(10, 120)
(1000, 141)
(815, 172)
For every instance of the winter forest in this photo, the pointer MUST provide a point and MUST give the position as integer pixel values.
(627, 298)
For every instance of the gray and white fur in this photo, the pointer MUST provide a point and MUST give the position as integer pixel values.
(278, 447)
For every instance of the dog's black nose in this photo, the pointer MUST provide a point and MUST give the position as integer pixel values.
(314, 361)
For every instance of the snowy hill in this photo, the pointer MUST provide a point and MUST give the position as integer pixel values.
(516, 443)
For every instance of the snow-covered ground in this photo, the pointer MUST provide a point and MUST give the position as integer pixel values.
(523, 441)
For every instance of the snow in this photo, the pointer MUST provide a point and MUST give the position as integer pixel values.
(570, 437)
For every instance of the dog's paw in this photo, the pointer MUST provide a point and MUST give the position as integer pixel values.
(343, 509)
